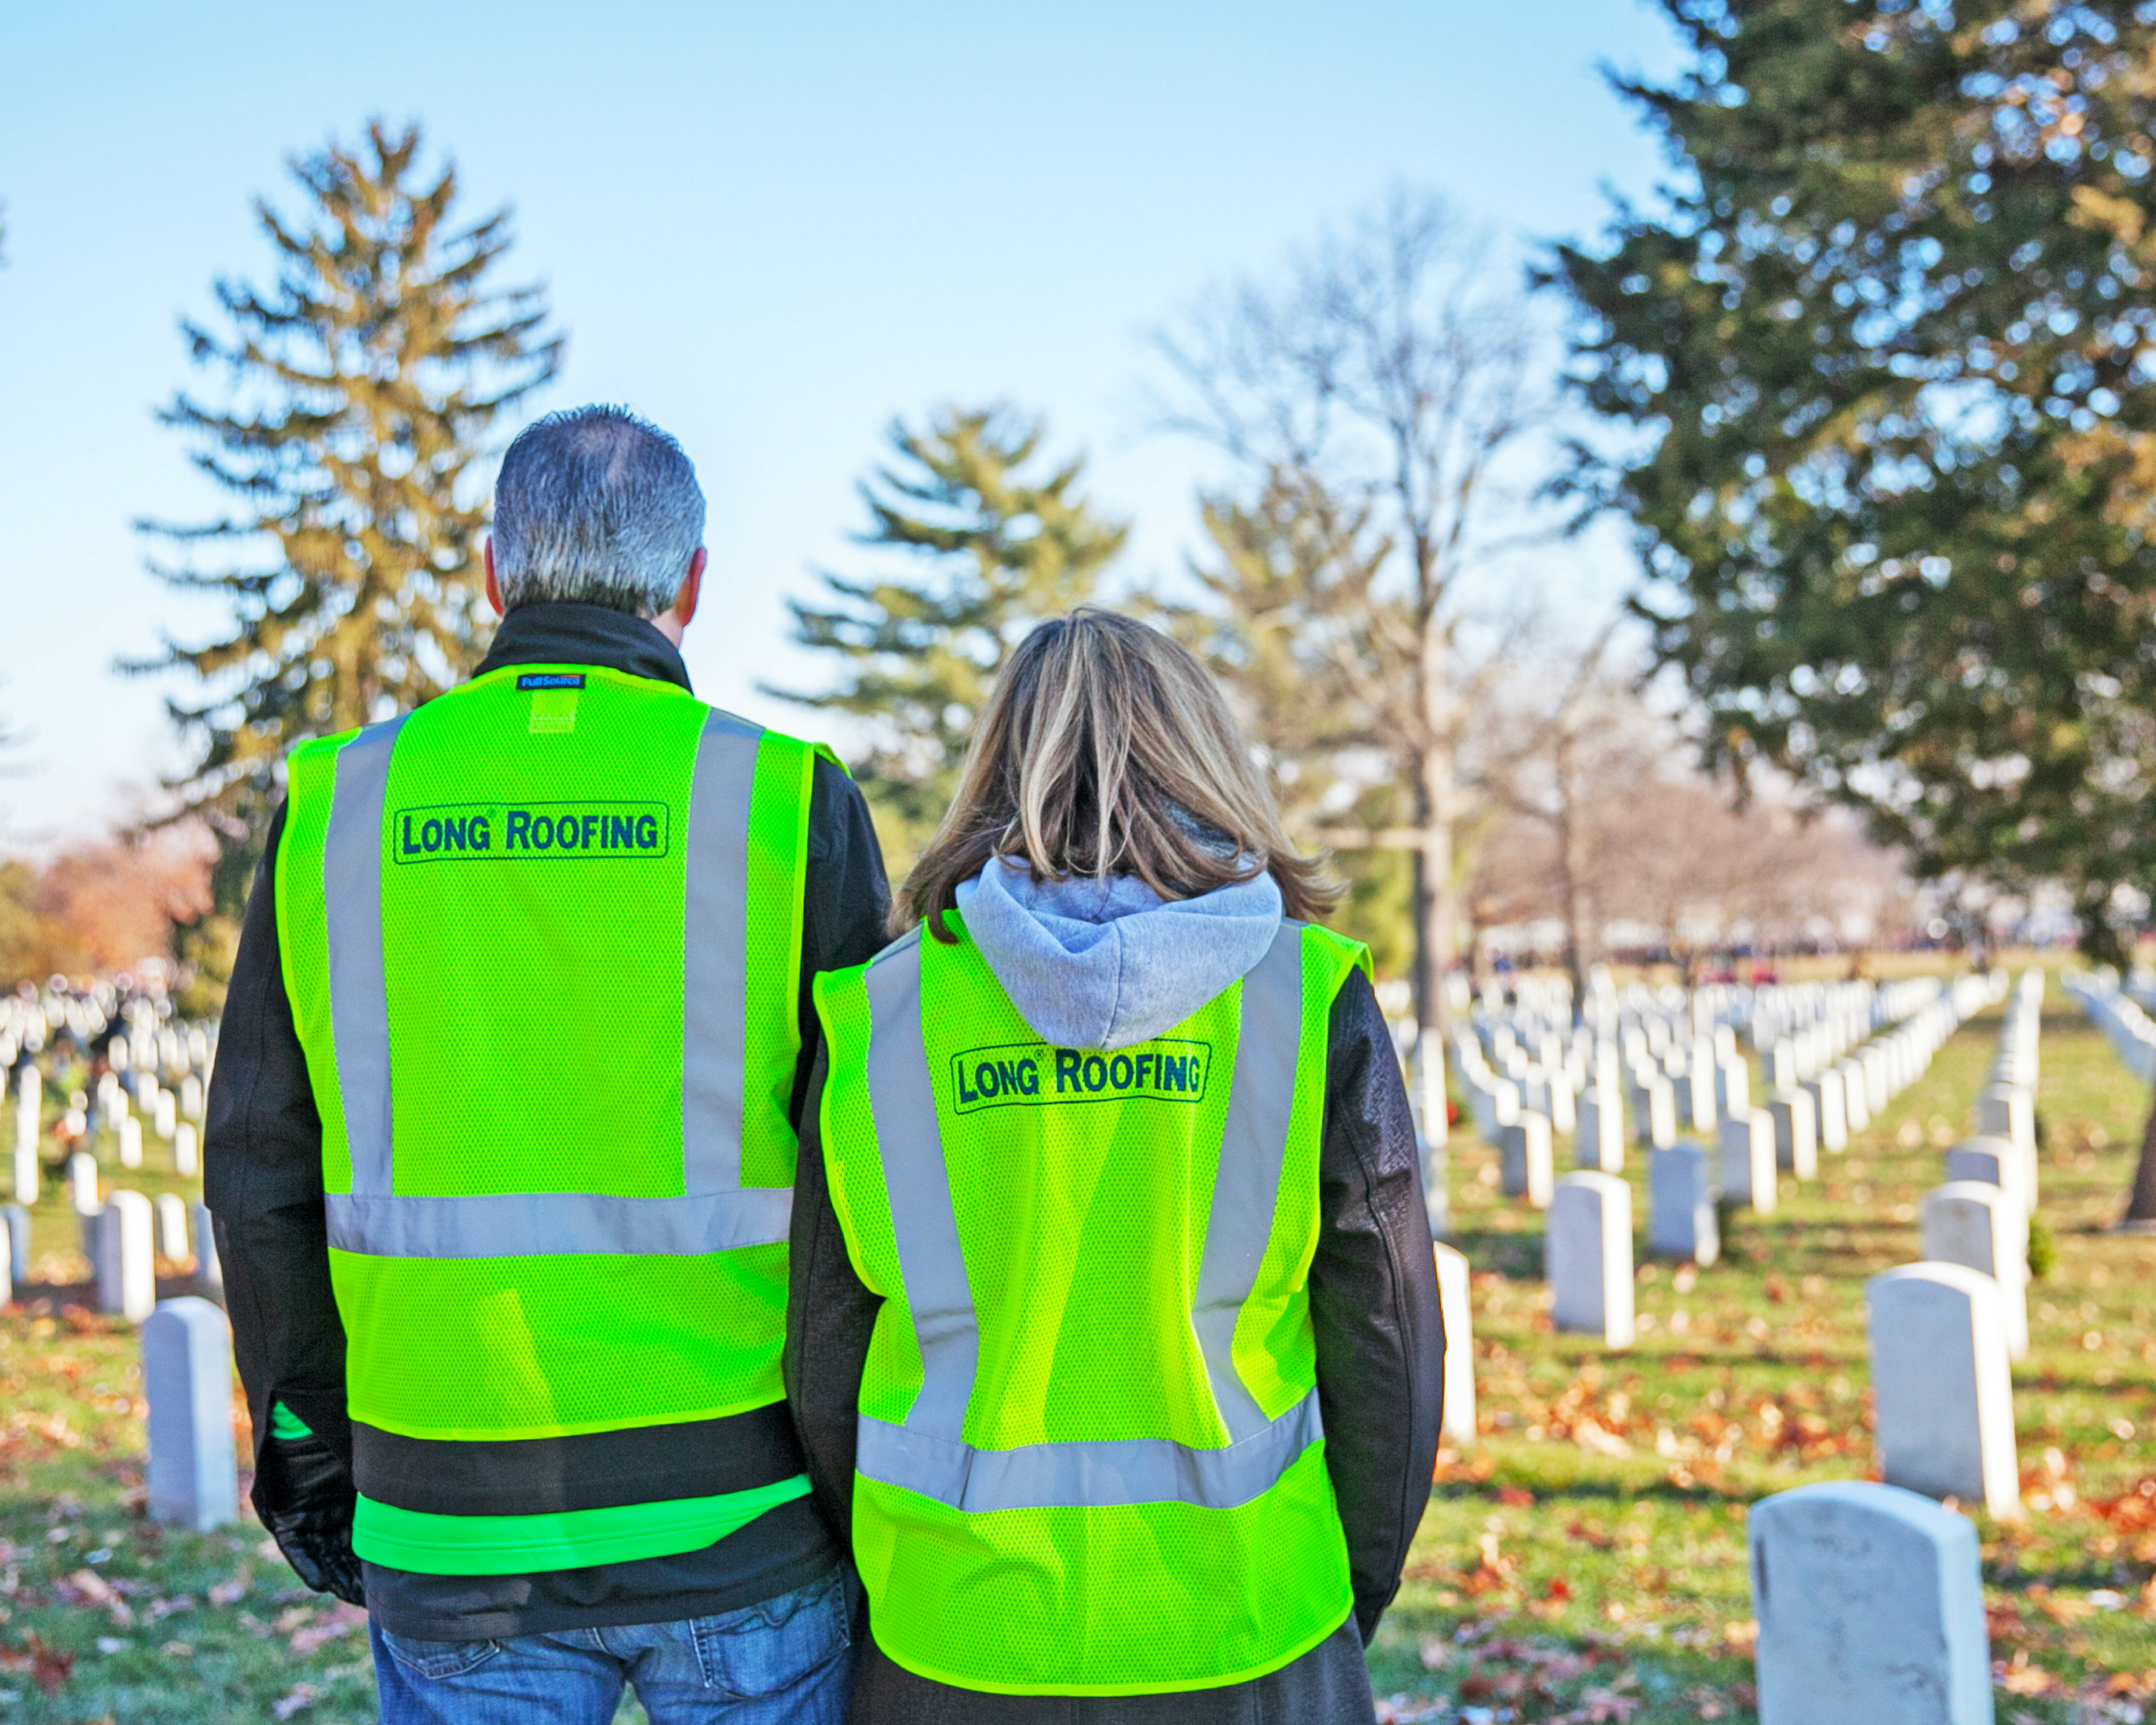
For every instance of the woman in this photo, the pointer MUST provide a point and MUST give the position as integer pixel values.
(1114, 1340)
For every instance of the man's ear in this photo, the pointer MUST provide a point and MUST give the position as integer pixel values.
(691, 588)
(493, 586)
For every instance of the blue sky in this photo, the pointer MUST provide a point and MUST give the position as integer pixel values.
(770, 228)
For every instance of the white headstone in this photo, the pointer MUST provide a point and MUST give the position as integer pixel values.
(1870, 1603)
(1996, 1162)
(167, 1117)
(1747, 1159)
(187, 1159)
(187, 1373)
(1982, 1226)
(1697, 1093)
(1796, 1138)
(82, 1183)
(172, 1227)
(1826, 1094)
(209, 1270)
(130, 1143)
(1429, 1049)
(1681, 1192)
(1563, 1103)
(18, 1243)
(126, 1257)
(1587, 1256)
(1657, 1120)
(1599, 1142)
(1945, 1393)
(1877, 1092)
(1436, 1186)
(190, 1096)
(1782, 1064)
(1732, 1084)
(1452, 1299)
(1856, 1096)
(2006, 1111)
(26, 1174)
(1523, 1160)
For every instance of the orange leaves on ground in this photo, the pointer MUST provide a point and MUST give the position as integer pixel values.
(47, 1667)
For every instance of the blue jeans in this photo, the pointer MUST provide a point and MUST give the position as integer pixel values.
(787, 1659)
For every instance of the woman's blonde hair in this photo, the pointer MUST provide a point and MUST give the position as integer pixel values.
(1105, 749)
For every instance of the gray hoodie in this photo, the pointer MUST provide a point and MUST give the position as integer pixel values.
(1093, 964)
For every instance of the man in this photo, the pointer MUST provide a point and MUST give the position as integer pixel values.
(501, 1134)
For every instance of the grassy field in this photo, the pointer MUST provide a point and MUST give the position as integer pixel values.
(1583, 1561)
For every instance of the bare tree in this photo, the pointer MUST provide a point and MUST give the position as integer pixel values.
(1376, 392)
(1608, 820)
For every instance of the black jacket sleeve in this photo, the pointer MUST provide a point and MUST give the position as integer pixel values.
(846, 900)
(262, 1179)
(830, 1315)
(1373, 1303)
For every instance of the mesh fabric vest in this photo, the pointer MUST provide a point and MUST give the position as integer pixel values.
(543, 939)
(1089, 1457)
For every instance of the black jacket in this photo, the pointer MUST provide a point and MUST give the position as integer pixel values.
(263, 1179)
(1380, 1343)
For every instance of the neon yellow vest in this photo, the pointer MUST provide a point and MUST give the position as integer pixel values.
(1090, 1459)
(542, 938)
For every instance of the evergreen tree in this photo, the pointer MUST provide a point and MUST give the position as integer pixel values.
(1890, 356)
(1293, 591)
(1895, 362)
(364, 382)
(1005, 546)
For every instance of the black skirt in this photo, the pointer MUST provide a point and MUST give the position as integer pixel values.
(1328, 1685)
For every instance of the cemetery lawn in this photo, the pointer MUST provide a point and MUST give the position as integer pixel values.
(1584, 1560)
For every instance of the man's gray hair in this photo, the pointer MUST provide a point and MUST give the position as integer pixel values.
(597, 507)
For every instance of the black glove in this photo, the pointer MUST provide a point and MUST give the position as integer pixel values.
(306, 1499)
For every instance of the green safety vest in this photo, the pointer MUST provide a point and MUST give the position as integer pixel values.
(543, 939)
(1089, 1460)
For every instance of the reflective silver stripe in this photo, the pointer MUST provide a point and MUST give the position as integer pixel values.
(359, 998)
(1114, 1471)
(928, 1453)
(549, 1224)
(922, 1215)
(1247, 1184)
(715, 954)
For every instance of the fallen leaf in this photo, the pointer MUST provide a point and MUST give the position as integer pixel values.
(300, 1695)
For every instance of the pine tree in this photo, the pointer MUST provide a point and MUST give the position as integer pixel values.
(1885, 369)
(364, 381)
(1293, 589)
(1005, 546)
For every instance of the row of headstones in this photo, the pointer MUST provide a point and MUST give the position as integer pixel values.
(173, 1115)
(2126, 1026)
(1944, 1332)
(1814, 1105)
(187, 1156)
(1588, 1243)
(123, 1237)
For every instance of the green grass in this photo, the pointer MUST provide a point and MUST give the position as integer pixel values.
(1584, 1560)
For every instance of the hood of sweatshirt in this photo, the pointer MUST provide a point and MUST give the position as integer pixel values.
(1093, 964)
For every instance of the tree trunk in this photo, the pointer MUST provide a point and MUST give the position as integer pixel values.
(1569, 873)
(2141, 1203)
(1439, 800)
(1440, 911)
(1424, 990)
